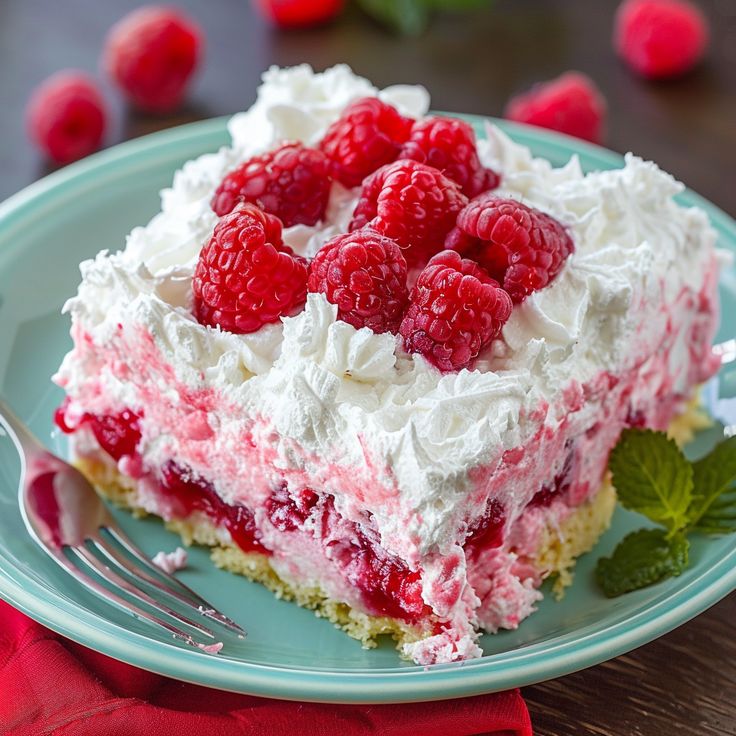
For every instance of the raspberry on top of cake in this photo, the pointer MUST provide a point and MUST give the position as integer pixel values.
(377, 363)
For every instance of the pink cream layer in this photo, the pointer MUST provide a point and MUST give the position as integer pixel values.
(229, 465)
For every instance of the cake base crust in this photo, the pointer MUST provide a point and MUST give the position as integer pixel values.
(560, 544)
(556, 556)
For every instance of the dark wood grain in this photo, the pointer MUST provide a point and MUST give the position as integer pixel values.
(684, 683)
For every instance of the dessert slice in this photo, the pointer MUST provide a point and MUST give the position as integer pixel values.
(408, 440)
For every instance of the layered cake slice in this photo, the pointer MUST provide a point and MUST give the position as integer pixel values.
(378, 365)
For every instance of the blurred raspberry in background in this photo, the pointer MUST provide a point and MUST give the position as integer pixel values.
(151, 54)
(570, 104)
(660, 38)
(66, 116)
(299, 13)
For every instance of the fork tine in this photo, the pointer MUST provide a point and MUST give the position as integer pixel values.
(114, 579)
(203, 608)
(130, 546)
(107, 595)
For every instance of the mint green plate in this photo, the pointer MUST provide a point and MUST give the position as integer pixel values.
(45, 231)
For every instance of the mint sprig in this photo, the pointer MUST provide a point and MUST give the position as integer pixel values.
(720, 518)
(653, 477)
(713, 477)
(643, 558)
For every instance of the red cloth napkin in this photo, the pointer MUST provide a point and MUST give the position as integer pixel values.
(51, 685)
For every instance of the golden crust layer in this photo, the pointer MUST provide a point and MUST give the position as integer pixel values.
(556, 556)
(558, 550)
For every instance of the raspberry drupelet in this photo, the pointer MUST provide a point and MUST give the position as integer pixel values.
(246, 277)
(522, 247)
(291, 182)
(411, 203)
(448, 144)
(455, 310)
(364, 274)
(367, 135)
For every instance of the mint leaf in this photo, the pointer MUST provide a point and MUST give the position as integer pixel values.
(720, 517)
(641, 559)
(652, 477)
(409, 17)
(713, 475)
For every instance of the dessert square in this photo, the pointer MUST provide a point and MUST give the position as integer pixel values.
(378, 366)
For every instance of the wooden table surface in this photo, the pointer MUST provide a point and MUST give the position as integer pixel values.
(685, 682)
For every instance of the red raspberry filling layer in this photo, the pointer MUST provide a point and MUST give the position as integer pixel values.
(387, 586)
(560, 483)
(117, 434)
(487, 531)
(194, 493)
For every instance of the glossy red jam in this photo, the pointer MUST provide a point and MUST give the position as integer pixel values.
(488, 530)
(197, 494)
(560, 484)
(387, 586)
(117, 434)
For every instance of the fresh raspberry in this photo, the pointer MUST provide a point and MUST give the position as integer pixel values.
(570, 104)
(368, 134)
(299, 13)
(520, 246)
(66, 116)
(151, 53)
(364, 273)
(246, 277)
(660, 38)
(448, 144)
(455, 310)
(291, 182)
(411, 203)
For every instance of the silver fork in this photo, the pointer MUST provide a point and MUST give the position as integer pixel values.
(64, 514)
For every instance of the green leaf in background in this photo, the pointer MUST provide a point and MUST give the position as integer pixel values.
(713, 475)
(720, 517)
(642, 558)
(409, 17)
(652, 477)
(457, 4)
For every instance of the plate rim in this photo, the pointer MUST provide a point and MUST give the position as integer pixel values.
(410, 684)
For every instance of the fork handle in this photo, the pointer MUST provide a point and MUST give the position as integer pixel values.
(26, 444)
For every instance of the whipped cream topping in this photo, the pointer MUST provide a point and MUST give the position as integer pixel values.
(339, 392)
(292, 104)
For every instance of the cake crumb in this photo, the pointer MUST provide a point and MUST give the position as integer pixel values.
(211, 648)
(170, 562)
